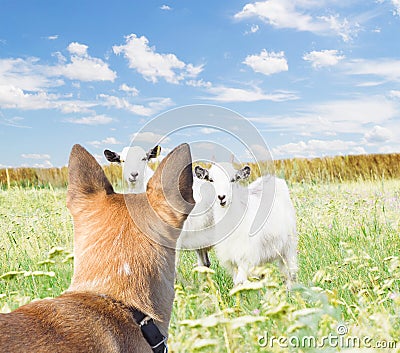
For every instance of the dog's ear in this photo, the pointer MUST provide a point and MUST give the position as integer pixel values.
(171, 184)
(85, 175)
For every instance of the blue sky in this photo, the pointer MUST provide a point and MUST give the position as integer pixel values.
(315, 77)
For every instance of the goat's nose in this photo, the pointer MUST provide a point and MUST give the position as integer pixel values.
(133, 176)
(221, 200)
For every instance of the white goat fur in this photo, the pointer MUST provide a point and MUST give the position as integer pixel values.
(275, 240)
(133, 162)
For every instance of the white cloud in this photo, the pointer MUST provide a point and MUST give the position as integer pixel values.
(378, 134)
(78, 49)
(316, 148)
(35, 156)
(133, 91)
(148, 136)
(165, 8)
(12, 97)
(111, 141)
(208, 130)
(91, 120)
(323, 58)
(84, 67)
(370, 83)
(298, 15)
(385, 68)
(150, 109)
(199, 83)
(191, 71)
(44, 164)
(24, 82)
(340, 116)
(349, 115)
(152, 65)
(43, 158)
(15, 121)
(278, 13)
(395, 94)
(26, 74)
(230, 94)
(396, 5)
(343, 28)
(253, 29)
(267, 63)
(74, 106)
(106, 142)
(389, 149)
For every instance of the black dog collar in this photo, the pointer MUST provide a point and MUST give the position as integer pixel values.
(150, 331)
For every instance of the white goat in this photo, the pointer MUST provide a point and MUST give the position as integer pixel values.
(238, 209)
(135, 169)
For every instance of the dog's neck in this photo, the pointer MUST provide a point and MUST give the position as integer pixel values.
(115, 256)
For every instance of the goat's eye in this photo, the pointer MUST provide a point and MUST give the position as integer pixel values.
(207, 177)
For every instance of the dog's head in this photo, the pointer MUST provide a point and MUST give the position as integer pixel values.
(123, 242)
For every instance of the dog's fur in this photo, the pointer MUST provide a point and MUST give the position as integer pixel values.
(124, 258)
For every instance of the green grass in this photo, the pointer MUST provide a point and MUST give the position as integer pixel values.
(349, 259)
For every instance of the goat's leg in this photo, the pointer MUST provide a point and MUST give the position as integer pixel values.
(291, 258)
(177, 259)
(287, 262)
(202, 257)
(288, 266)
(283, 266)
(241, 275)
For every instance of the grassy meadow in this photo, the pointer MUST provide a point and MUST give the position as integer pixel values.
(348, 280)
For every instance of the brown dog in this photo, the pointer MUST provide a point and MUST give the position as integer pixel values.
(124, 265)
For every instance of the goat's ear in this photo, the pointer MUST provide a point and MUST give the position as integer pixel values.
(112, 156)
(242, 174)
(172, 181)
(201, 173)
(85, 175)
(155, 152)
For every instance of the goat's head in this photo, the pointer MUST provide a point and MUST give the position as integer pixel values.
(224, 177)
(134, 161)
